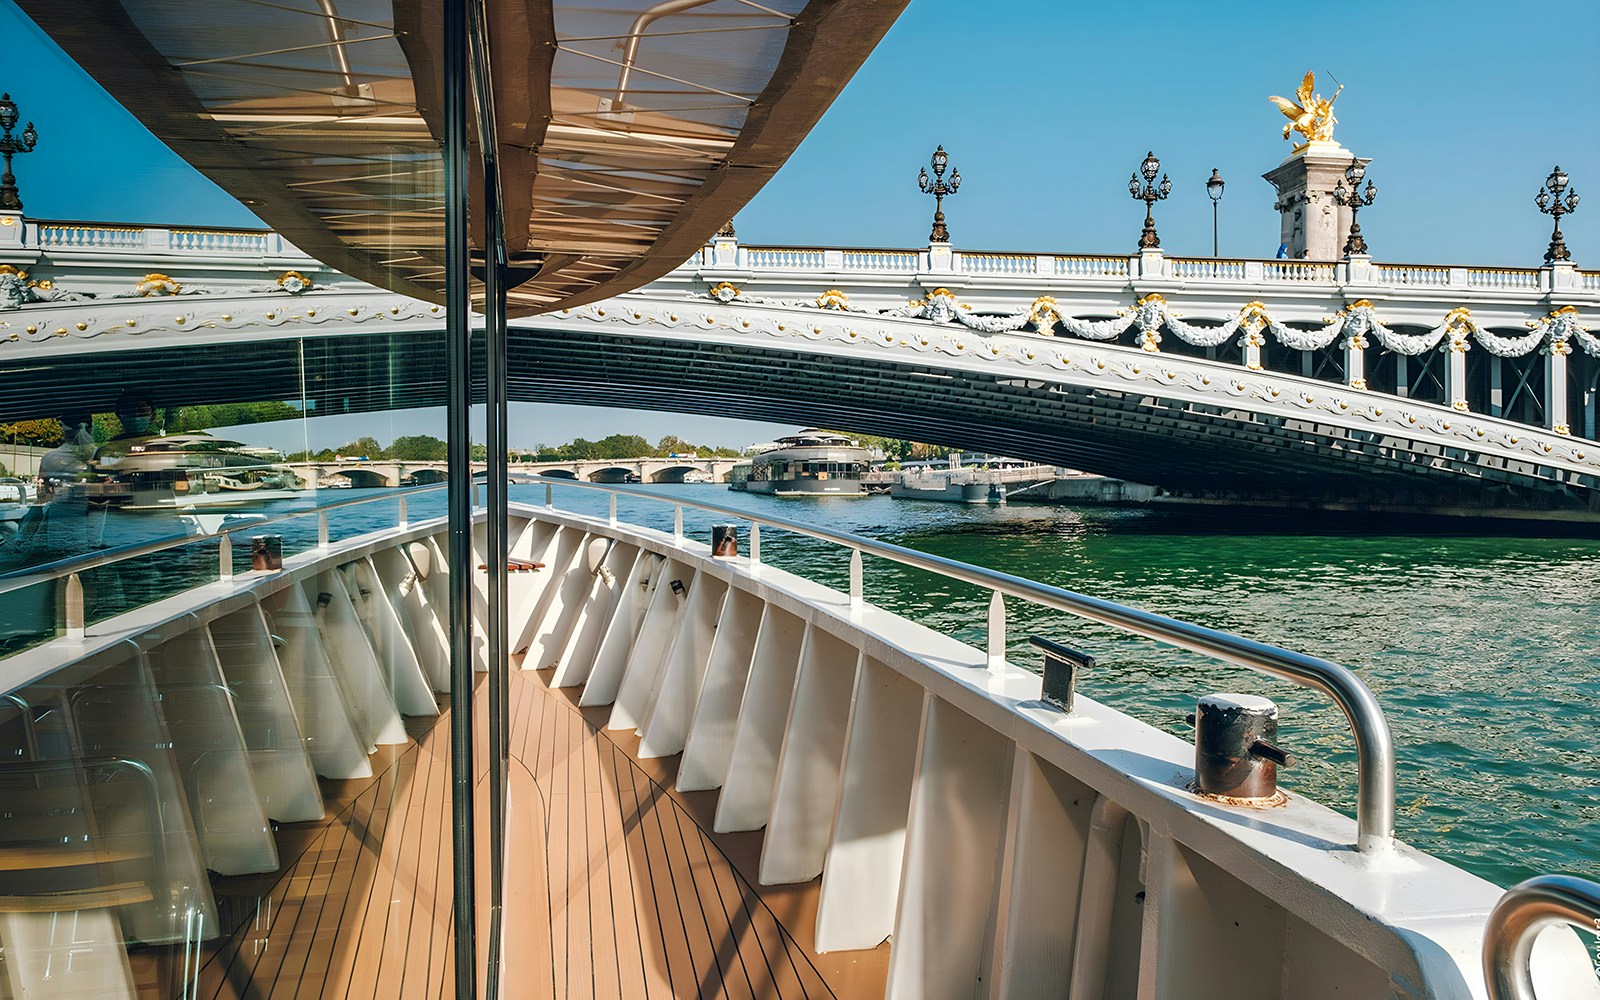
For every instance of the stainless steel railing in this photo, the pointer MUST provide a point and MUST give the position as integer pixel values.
(1374, 747)
(1526, 909)
(40, 573)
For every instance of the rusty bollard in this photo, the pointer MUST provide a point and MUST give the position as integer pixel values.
(1234, 754)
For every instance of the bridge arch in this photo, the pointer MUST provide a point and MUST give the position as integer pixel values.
(424, 477)
(613, 474)
(363, 479)
(675, 473)
(558, 473)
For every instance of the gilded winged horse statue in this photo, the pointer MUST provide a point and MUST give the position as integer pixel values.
(1310, 115)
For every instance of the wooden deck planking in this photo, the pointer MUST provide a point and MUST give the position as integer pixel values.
(618, 889)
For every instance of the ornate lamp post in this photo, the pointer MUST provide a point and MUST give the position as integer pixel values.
(1550, 203)
(1355, 198)
(9, 144)
(938, 187)
(1214, 192)
(1149, 194)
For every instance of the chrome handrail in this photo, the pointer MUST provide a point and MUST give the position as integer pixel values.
(1374, 747)
(33, 576)
(1526, 909)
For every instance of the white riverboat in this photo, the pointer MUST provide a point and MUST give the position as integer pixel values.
(673, 773)
(810, 463)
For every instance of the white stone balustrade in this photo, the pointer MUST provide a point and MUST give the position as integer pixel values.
(110, 259)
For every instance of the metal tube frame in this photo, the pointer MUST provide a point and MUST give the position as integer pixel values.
(458, 336)
(497, 514)
(1374, 745)
(1526, 909)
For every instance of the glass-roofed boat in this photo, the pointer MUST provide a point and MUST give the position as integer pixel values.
(404, 744)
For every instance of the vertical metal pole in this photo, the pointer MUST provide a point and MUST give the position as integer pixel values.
(497, 516)
(857, 589)
(225, 557)
(322, 530)
(755, 545)
(458, 335)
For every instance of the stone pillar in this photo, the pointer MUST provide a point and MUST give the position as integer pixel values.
(1314, 225)
(12, 228)
(1455, 373)
(941, 259)
(725, 249)
(1355, 361)
(1555, 386)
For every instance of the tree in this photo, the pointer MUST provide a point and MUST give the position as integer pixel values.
(418, 448)
(42, 433)
(672, 444)
(622, 446)
(362, 446)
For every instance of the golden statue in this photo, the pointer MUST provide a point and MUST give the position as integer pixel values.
(1311, 116)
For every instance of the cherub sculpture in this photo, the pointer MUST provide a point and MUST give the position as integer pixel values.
(1312, 116)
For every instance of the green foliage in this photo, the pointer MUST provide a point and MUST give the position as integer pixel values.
(362, 446)
(210, 415)
(418, 448)
(41, 433)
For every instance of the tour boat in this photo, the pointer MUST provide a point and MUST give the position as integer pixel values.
(525, 751)
(810, 463)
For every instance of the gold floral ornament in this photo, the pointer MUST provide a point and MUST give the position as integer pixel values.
(1309, 114)
(14, 271)
(833, 299)
(1044, 314)
(1458, 327)
(294, 282)
(724, 291)
(157, 284)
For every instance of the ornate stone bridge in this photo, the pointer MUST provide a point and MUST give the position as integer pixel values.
(1428, 389)
(389, 472)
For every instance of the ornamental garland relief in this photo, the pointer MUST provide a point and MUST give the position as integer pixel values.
(855, 329)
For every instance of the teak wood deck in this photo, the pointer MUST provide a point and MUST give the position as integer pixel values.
(615, 885)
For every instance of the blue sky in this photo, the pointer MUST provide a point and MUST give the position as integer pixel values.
(1046, 107)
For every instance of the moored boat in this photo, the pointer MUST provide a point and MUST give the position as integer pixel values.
(810, 463)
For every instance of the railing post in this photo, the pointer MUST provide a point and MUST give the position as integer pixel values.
(402, 520)
(611, 518)
(549, 495)
(322, 530)
(74, 608)
(856, 595)
(1515, 922)
(225, 557)
(997, 631)
(755, 545)
(677, 524)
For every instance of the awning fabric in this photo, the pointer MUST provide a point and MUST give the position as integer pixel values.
(628, 131)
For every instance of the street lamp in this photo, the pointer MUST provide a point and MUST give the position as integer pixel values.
(938, 187)
(9, 144)
(1355, 198)
(1214, 192)
(1149, 194)
(1550, 203)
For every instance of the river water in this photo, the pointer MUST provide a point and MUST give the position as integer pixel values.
(1484, 652)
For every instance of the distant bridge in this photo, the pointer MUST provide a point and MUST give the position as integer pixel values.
(388, 472)
(1353, 384)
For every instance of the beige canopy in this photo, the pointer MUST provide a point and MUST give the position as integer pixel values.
(628, 130)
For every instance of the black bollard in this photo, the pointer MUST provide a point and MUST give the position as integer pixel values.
(1234, 755)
